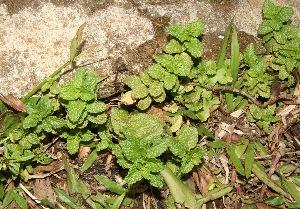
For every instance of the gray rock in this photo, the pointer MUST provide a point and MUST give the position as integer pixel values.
(35, 35)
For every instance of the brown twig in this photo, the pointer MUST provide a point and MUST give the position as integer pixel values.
(239, 91)
(275, 161)
(272, 100)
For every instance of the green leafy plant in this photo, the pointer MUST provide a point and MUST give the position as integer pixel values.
(151, 145)
(262, 117)
(281, 39)
(159, 147)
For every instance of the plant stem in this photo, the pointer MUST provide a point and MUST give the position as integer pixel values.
(289, 99)
(39, 86)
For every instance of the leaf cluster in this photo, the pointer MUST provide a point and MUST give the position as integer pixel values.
(141, 149)
(281, 38)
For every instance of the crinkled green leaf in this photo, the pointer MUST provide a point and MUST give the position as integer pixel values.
(194, 46)
(221, 77)
(173, 47)
(192, 158)
(51, 123)
(210, 67)
(86, 135)
(133, 176)
(96, 107)
(170, 81)
(154, 179)
(270, 10)
(88, 95)
(250, 56)
(176, 122)
(184, 64)
(75, 110)
(78, 78)
(158, 148)
(30, 139)
(161, 97)
(156, 71)
(195, 28)
(84, 86)
(69, 92)
(263, 117)
(139, 90)
(91, 80)
(180, 64)
(98, 119)
(144, 127)
(73, 145)
(31, 121)
(119, 120)
(156, 89)
(38, 111)
(257, 81)
(74, 137)
(167, 61)
(179, 32)
(187, 136)
(144, 103)
(145, 77)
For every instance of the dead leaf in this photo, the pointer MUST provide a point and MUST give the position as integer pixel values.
(159, 112)
(83, 152)
(55, 165)
(13, 102)
(127, 99)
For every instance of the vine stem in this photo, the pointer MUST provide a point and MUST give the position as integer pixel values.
(39, 86)
(272, 99)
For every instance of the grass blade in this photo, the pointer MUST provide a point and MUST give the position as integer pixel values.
(118, 201)
(110, 185)
(222, 52)
(90, 160)
(10, 195)
(249, 160)
(180, 192)
(261, 174)
(290, 187)
(235, 160)
(21, 201)
(66, 198)
(235, 57)
(75, 185)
